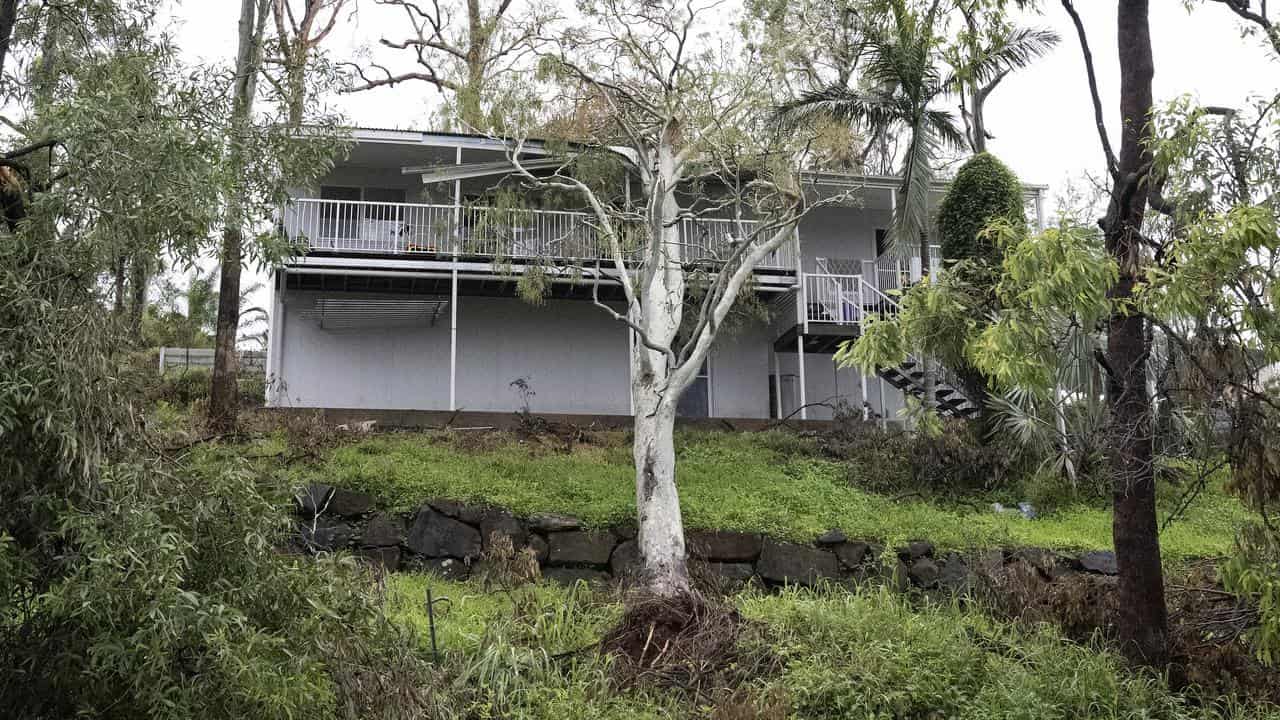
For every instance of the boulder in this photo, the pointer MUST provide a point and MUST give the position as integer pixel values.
(796, 564)
(539, 546)
(434, 534)
(953, 573)
(322, 534)
(924, 573)
(834, 536)
(625, 561)
(581, 547)
(468, 514)
(916, 549)
(571, 575)
(348, 503)
(1102, 562)
(721, 577)
(852, 554)
(504, 524)
(311, 500)
(387, 558)
(626, 531)
(723, 545)
(553, 522)
(383, 530)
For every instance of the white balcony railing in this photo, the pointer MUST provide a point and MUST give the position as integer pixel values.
(842, 300)
(405, 228)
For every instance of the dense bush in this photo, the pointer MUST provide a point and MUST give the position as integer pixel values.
(983, 190)
(183, 387)
(133, 585)
(953, 462)
(186, 387)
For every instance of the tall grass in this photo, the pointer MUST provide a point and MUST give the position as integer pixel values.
(772, 483)
(871, 654)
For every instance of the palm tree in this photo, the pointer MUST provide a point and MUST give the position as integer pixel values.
(902, 78)
(982, 58)
(901, 66)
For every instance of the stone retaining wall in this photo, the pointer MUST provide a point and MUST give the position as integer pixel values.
(450, 538)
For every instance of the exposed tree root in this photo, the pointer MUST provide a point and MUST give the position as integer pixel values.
(688, 643)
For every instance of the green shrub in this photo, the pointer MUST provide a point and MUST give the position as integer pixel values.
(984, 189)
(183, 387)
(253, 390)
(954, 462)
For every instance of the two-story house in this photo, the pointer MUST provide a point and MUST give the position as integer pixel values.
(405, 296)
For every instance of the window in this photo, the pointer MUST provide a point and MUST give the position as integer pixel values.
(882, 241)
(384, 195)
(696, 400)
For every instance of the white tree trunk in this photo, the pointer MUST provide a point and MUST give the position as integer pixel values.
(661, 529)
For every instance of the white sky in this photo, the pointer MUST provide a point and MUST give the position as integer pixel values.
(1042, 117)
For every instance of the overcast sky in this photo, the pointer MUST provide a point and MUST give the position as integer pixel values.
(1042, 117)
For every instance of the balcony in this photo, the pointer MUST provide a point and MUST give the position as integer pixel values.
(495, 234)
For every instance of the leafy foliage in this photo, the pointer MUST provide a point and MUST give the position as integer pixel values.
(983, 190)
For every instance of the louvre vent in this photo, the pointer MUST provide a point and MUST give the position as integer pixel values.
(375, 311)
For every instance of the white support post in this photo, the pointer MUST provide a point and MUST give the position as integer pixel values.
(453, 289)
(1040, 209)
(866, 403)
(161, 359)
(804, 411)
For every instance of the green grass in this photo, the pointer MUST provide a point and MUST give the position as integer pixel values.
(867, 654)
(731, 481)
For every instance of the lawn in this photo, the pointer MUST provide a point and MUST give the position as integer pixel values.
(728, 480)
(531, 652)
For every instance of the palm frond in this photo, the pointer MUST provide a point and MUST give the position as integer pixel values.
(948, 131)
(1012, 51)
(840, 104)
(911, 215)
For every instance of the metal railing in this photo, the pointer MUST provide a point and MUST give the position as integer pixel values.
(894, 273)
(834, 299)
(404, 228)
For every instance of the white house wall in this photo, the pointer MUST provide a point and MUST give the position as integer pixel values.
(570, 354)
(839, 232)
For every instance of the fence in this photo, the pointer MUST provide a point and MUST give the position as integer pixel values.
(174, 358)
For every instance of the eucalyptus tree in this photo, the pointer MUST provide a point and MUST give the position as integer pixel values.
(469, 50)
(674, 108)
(299, 34)
(224, 392)
(264, 153)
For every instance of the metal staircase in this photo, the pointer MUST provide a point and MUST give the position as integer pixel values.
(951, 400)
(836, 306)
